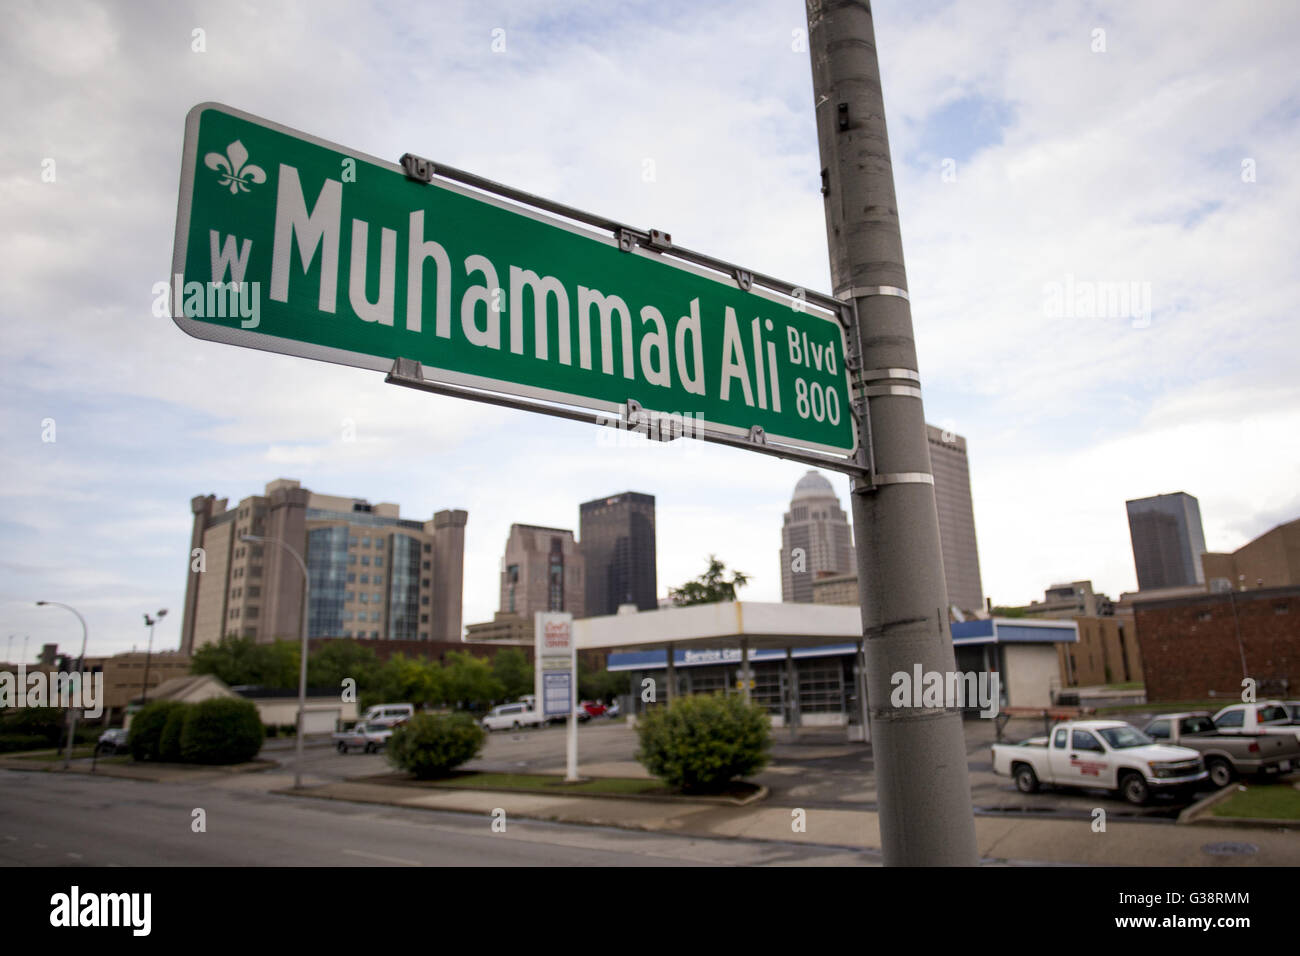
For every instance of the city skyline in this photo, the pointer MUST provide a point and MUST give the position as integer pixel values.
(1070, 407)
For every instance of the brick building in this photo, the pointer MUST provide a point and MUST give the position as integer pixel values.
(1192, 646)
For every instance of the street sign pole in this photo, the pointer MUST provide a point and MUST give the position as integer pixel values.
(555, 666)
(920, 755)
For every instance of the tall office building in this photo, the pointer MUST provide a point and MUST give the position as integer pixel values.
(1168, 540)
(819, 528)
(542, 571)
(374, 574)
(952, 496)
(961, 560)
(618, 548)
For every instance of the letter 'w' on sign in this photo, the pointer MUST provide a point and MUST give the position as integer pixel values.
(495, 300)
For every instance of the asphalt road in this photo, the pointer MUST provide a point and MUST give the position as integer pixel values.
(52, 819)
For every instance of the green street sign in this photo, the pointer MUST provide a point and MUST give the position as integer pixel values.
(291, 244)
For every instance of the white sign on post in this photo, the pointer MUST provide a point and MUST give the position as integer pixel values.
(556, 676)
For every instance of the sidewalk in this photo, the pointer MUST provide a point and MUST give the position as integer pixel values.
(1000, 839)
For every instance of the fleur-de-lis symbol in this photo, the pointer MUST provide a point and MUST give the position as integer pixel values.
(233, 171)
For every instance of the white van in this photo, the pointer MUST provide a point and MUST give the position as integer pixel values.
(511, 717)
(386, 715)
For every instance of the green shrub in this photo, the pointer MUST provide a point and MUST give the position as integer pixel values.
(12, 743)
(147, 727)
(169, 741)
(47, 722)
(432, 745)
(701, 743)
(221, 731)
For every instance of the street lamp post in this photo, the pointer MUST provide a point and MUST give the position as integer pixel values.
(81, 666)
(302, 669)
(148, 654)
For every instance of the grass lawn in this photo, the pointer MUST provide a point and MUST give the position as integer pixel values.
(1269, 801)
(540, 781)
(554, 783)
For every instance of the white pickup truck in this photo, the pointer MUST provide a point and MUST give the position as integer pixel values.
(1106, 754)
(1265, 717)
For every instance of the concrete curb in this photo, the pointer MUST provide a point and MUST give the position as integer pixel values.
(1199, 814)
(150, 773)
(1198, 810)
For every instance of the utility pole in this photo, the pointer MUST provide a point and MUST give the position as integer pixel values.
(81, 667)
(922, 782)
(149, 622)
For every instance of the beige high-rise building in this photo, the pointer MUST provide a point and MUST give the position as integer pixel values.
(542, 570)
(374, 574)
(838, 583)
(816, 539)
(952, 496)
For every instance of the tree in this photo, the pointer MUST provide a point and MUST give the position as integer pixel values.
(510, 666)
(241, 660)
(336, 660)
(710, 587)
(276, 664)
(601, 685)
(415, 680)
(470, 681)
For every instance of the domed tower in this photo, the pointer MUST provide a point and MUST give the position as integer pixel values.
(816, 539)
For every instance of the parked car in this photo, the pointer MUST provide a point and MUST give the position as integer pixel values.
(368, 737)
(1107, 754)
(594, 708)
(1265, 717)
(579, 712)
(511, 717)
(114, 741)
(612, 710)
(1293, 708)
(1226, 756)
(388, 714)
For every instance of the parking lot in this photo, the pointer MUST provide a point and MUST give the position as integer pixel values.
(818, 770)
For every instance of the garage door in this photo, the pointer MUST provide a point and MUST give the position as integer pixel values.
(320, 721)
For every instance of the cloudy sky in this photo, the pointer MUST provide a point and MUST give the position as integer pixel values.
(1038, 147)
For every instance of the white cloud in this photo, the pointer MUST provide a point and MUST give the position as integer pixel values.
(1124, 165)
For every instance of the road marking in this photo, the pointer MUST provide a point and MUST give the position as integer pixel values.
(75, 856)
(39, 846)
(386, 859)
